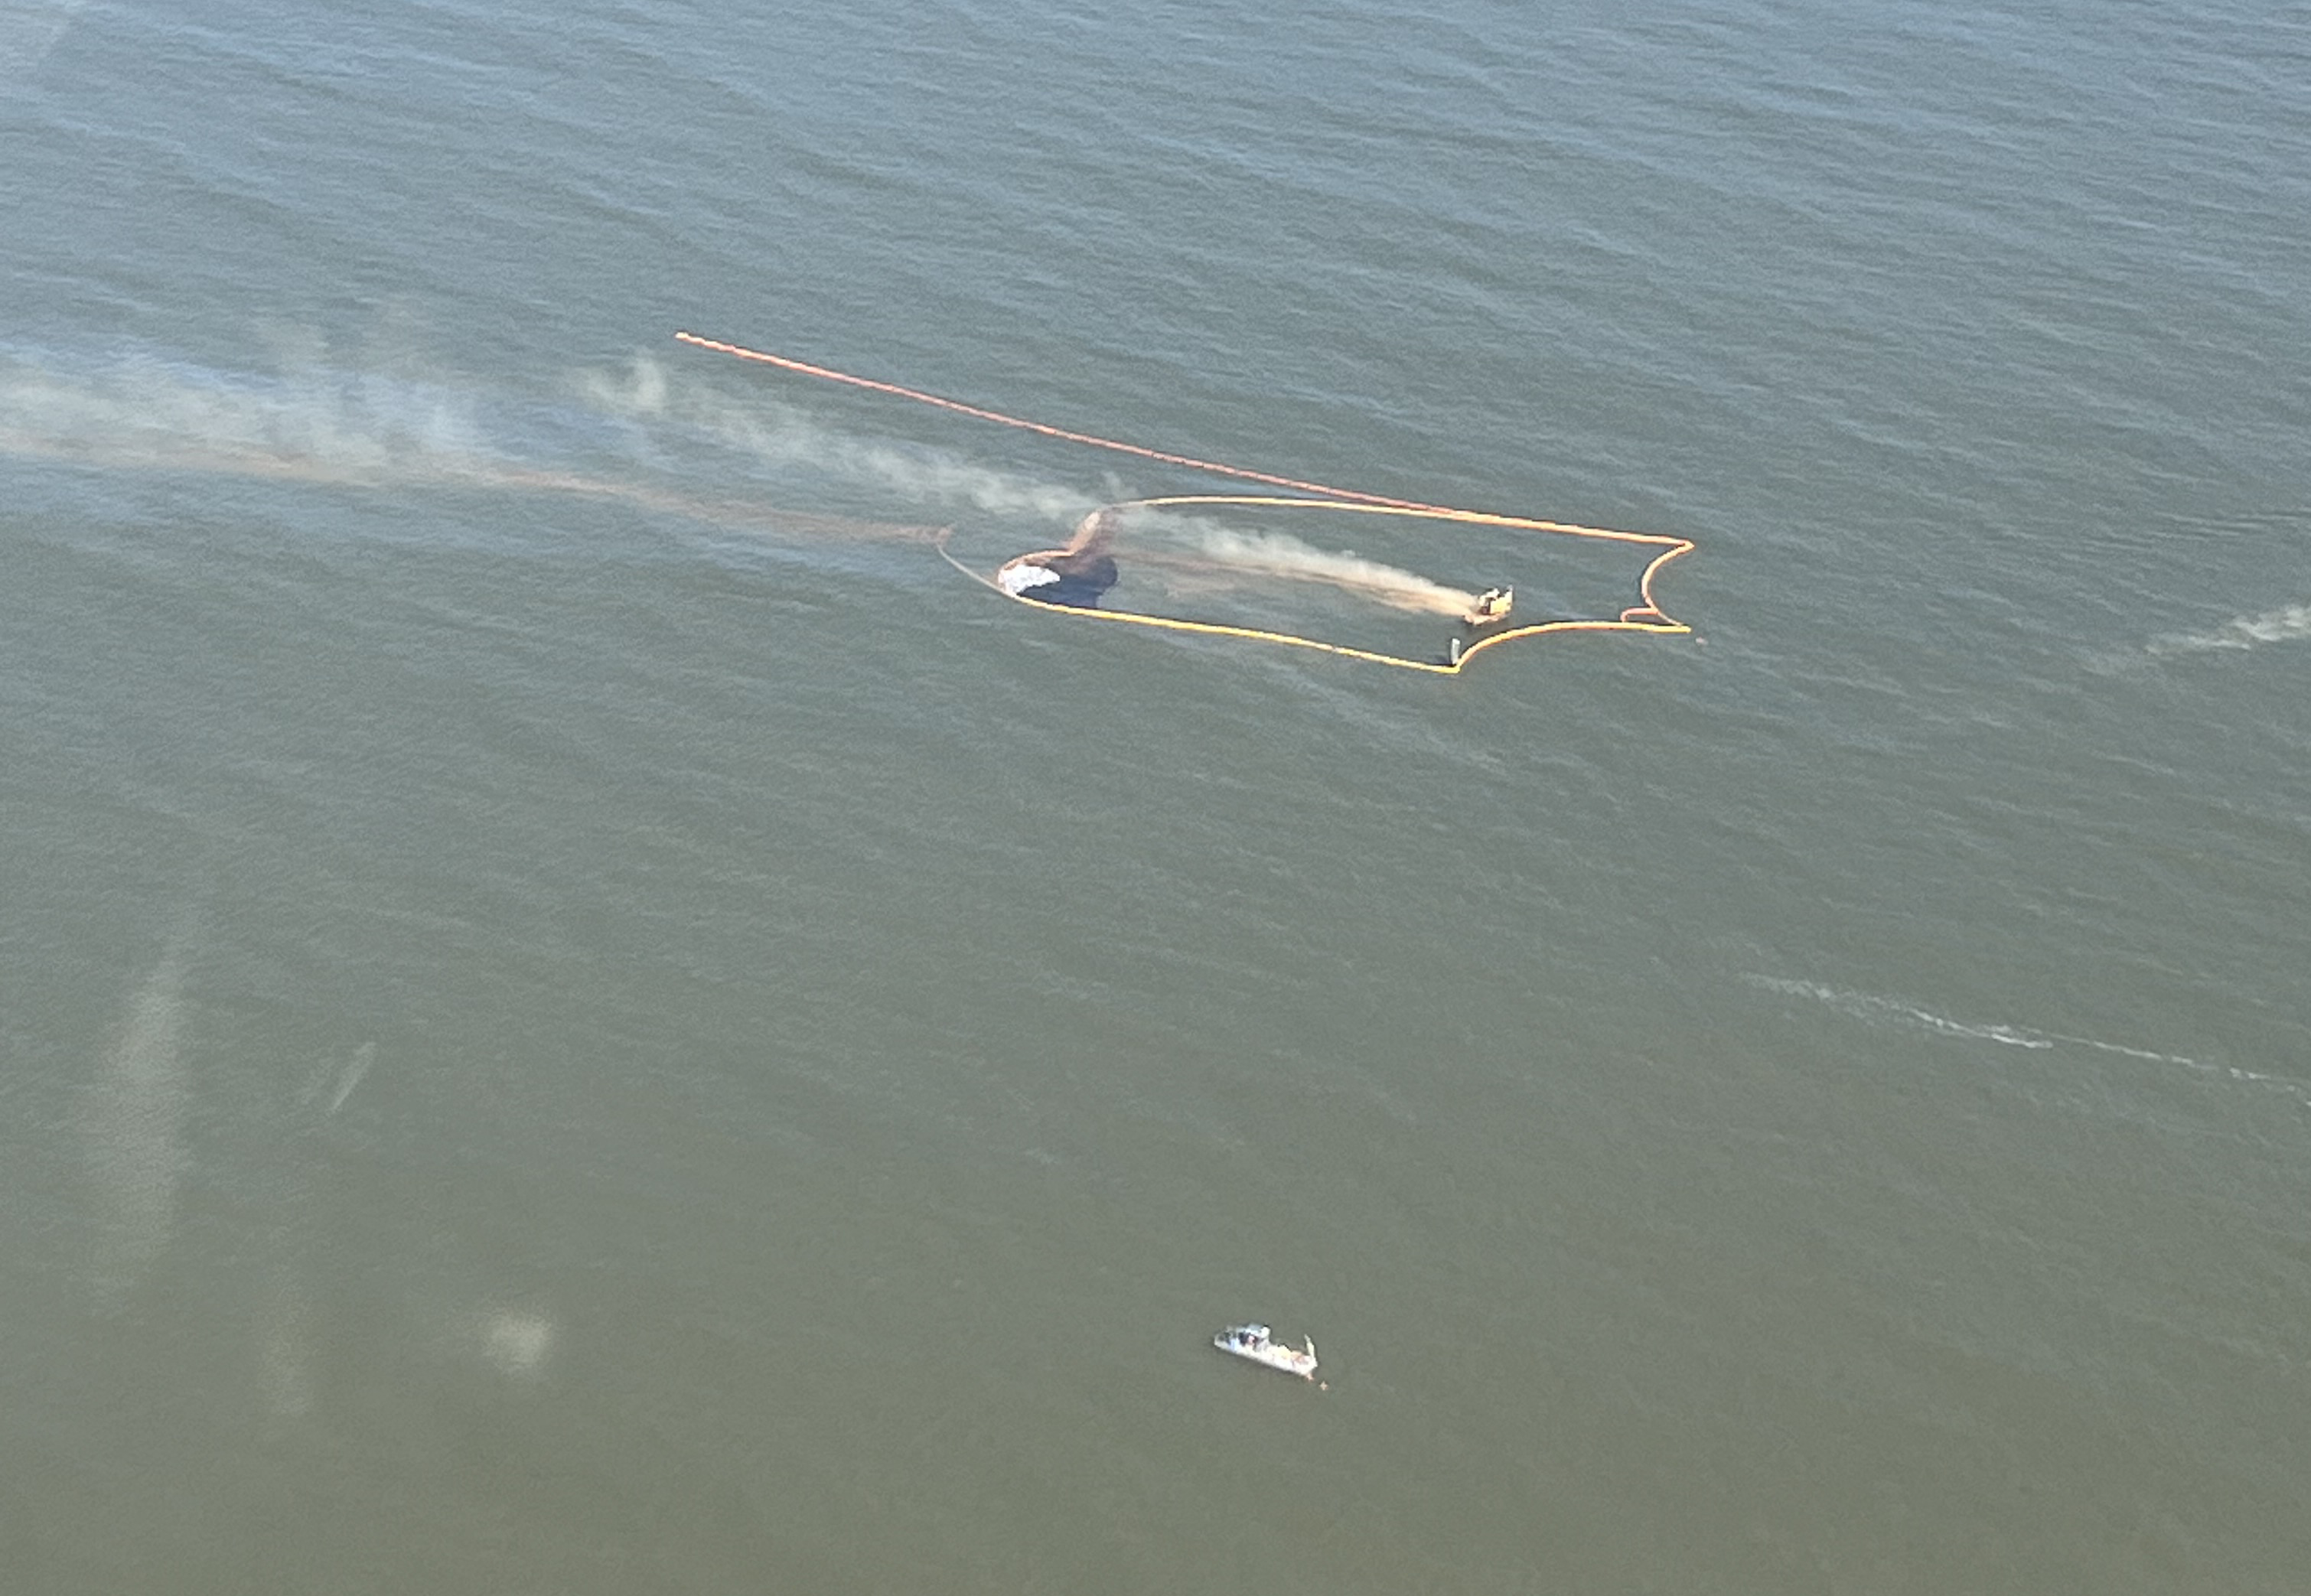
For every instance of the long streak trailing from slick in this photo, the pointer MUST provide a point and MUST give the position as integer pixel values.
(1646, 616)
(328, 427)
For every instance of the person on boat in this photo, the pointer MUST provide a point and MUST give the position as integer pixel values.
(1078, 575)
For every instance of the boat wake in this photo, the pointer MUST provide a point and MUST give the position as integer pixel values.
(2289, 623)
(1862, 1005)
(1877, 1010)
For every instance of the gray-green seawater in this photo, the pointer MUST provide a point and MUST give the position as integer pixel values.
(579, 1014)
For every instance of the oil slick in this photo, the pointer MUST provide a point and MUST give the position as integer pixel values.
(780, 437)
(330, 425)
(1281, 556)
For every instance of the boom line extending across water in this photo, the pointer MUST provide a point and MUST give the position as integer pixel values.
(1307, 494)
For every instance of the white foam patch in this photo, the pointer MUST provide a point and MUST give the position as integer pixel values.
(518, 1345)
(28, 31)
(134, 1123)
(1864, 1006)
(351, 1075)
(285, 1361)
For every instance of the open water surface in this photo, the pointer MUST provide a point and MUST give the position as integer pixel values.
(578, 1013)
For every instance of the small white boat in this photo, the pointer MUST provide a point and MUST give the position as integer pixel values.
(1251, 1341)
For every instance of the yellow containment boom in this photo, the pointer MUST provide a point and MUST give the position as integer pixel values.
(1486, 622)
